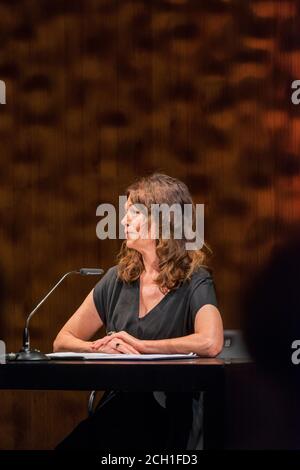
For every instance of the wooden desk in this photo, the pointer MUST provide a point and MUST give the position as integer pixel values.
(208, 375)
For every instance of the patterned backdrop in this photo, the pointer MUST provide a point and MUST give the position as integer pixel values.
(102, 91)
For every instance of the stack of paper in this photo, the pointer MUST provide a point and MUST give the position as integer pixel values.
(98, 356)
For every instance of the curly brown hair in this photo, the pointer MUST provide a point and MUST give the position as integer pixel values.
(176, 264)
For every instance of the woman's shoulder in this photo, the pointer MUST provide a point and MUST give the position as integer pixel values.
(109, 277)
(201, 273)
(112, 272)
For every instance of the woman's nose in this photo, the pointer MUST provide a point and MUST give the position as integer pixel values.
(125, 220)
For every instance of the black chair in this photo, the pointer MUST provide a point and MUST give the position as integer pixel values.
(92, 406)
(234, 346)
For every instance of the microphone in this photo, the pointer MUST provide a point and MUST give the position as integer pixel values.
(27, 354)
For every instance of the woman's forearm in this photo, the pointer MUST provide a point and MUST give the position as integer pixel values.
(68, 342)
(195, 343)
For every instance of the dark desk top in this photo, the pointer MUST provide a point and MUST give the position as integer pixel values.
(169, 375)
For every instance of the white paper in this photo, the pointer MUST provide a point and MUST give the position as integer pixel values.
(141, 357)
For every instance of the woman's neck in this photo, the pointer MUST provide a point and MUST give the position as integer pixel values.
(150, 261)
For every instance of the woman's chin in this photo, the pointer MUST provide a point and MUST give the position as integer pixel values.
(130, 243)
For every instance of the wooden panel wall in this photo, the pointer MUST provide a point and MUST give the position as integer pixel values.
(100, 92)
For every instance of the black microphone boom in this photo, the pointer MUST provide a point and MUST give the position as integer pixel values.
(90, 271)
(27, 354)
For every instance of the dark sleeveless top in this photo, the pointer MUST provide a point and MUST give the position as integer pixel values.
(118, 306)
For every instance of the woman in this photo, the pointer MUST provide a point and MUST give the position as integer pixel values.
(158, 299)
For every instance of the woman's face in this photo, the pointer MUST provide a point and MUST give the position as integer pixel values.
(136, 227)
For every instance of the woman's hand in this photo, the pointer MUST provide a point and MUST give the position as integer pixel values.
(127, 344)
(116, 347)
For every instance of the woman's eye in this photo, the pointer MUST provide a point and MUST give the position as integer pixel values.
(134, 211)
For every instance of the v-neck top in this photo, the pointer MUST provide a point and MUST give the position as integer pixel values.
(174, 315)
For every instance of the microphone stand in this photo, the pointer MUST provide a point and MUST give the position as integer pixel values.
(27, 354)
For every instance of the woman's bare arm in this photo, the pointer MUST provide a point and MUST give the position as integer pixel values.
(207, 339)
(83, 324)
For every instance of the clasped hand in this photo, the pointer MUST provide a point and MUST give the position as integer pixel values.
(119, 343)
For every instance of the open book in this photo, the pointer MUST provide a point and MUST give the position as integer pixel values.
(100, 356)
